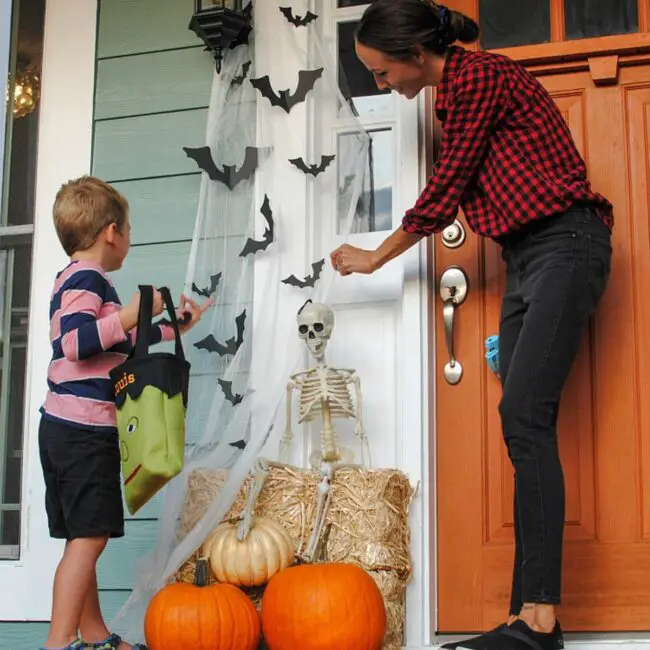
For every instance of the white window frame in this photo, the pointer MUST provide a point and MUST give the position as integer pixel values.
(64, 152)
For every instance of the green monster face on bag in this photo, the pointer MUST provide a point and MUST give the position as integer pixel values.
(153, 443)
(151, 399)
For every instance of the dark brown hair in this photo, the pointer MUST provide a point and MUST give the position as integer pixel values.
(83, 208)
(397, 27)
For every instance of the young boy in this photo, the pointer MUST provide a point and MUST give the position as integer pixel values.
(91, 333)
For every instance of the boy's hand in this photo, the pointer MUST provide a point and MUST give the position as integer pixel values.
(158, 303)
(190, 313)
(129, 313)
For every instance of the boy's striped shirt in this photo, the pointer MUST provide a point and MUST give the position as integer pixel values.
(87, 342)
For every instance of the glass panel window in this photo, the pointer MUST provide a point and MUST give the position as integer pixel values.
(21, 49)
(510, 23)
(22, 129)
(374, 208)
(593, 18)
(357, 84)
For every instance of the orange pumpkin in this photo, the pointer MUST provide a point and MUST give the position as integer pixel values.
(215, 617)
(322, 607)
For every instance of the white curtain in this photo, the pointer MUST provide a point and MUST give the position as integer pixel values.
(268, 350)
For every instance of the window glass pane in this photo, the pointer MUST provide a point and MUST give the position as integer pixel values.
(374, 209)
(23, 123)
(5, 40)
(13, 348)
(10, 523)
(592, 18)
(507, 23)
(357, 84)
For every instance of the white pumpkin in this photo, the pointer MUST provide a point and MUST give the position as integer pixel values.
(267, 549)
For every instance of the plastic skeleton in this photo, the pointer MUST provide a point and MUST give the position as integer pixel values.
(324, 392)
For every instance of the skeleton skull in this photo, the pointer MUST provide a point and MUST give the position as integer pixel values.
(315, 325)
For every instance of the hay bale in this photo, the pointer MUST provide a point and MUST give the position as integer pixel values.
(368, 512)
(393, 589)
(367, 524)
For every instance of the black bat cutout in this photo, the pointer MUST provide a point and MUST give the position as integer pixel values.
(242, 37)
(283, 98)
(226, 387)
(239, 444)
(314, 169)
(298, 21)
(231, 346)
(229, 176)
(208, 291)
(253, 245)
(310, 280)
(239, 79)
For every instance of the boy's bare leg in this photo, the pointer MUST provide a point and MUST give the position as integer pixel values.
(72, 581)
(92, 626)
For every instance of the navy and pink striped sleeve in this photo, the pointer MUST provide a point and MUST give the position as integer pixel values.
(157, 334)
(83, 334)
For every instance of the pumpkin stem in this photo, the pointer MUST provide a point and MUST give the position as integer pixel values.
(201, 573)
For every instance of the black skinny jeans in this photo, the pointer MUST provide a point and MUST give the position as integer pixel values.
(557, 270)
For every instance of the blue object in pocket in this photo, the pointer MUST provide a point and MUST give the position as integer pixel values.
(492, 353)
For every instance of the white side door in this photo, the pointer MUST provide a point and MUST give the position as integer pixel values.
(381, 319)
(380, 327)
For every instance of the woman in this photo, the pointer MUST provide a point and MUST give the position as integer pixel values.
(508, 160)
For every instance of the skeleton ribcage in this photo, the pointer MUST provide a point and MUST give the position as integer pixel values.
(316, 387)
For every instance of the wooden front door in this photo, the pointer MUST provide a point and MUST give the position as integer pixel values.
(602, 87)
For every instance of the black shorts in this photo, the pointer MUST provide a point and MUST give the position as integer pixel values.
(83, 494)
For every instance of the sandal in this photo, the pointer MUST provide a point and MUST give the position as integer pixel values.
(113, 643)
(78, 644)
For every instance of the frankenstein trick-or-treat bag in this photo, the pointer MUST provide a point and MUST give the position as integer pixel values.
(151, 400)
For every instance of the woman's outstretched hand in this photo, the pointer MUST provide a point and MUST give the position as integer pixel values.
(348, 259)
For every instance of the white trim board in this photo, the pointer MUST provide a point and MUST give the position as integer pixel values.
(64, 152)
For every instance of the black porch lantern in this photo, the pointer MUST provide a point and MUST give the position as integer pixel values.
(219, 23)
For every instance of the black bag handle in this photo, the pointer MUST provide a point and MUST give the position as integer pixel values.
(145, 315)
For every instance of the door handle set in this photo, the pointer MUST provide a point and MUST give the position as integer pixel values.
(453, 291)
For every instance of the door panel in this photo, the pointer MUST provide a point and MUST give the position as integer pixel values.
(604, 423)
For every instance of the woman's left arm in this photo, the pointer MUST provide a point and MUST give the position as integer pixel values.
(477, 106)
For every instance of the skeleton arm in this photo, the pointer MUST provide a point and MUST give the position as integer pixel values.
(359, 431)
(285, 442)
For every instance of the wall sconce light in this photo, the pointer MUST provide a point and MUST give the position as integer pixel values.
(220, 23)
(27, 91)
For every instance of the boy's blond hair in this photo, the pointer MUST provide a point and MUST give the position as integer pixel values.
(83, 208)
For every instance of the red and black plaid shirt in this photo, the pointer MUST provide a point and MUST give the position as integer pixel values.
(506, 155)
